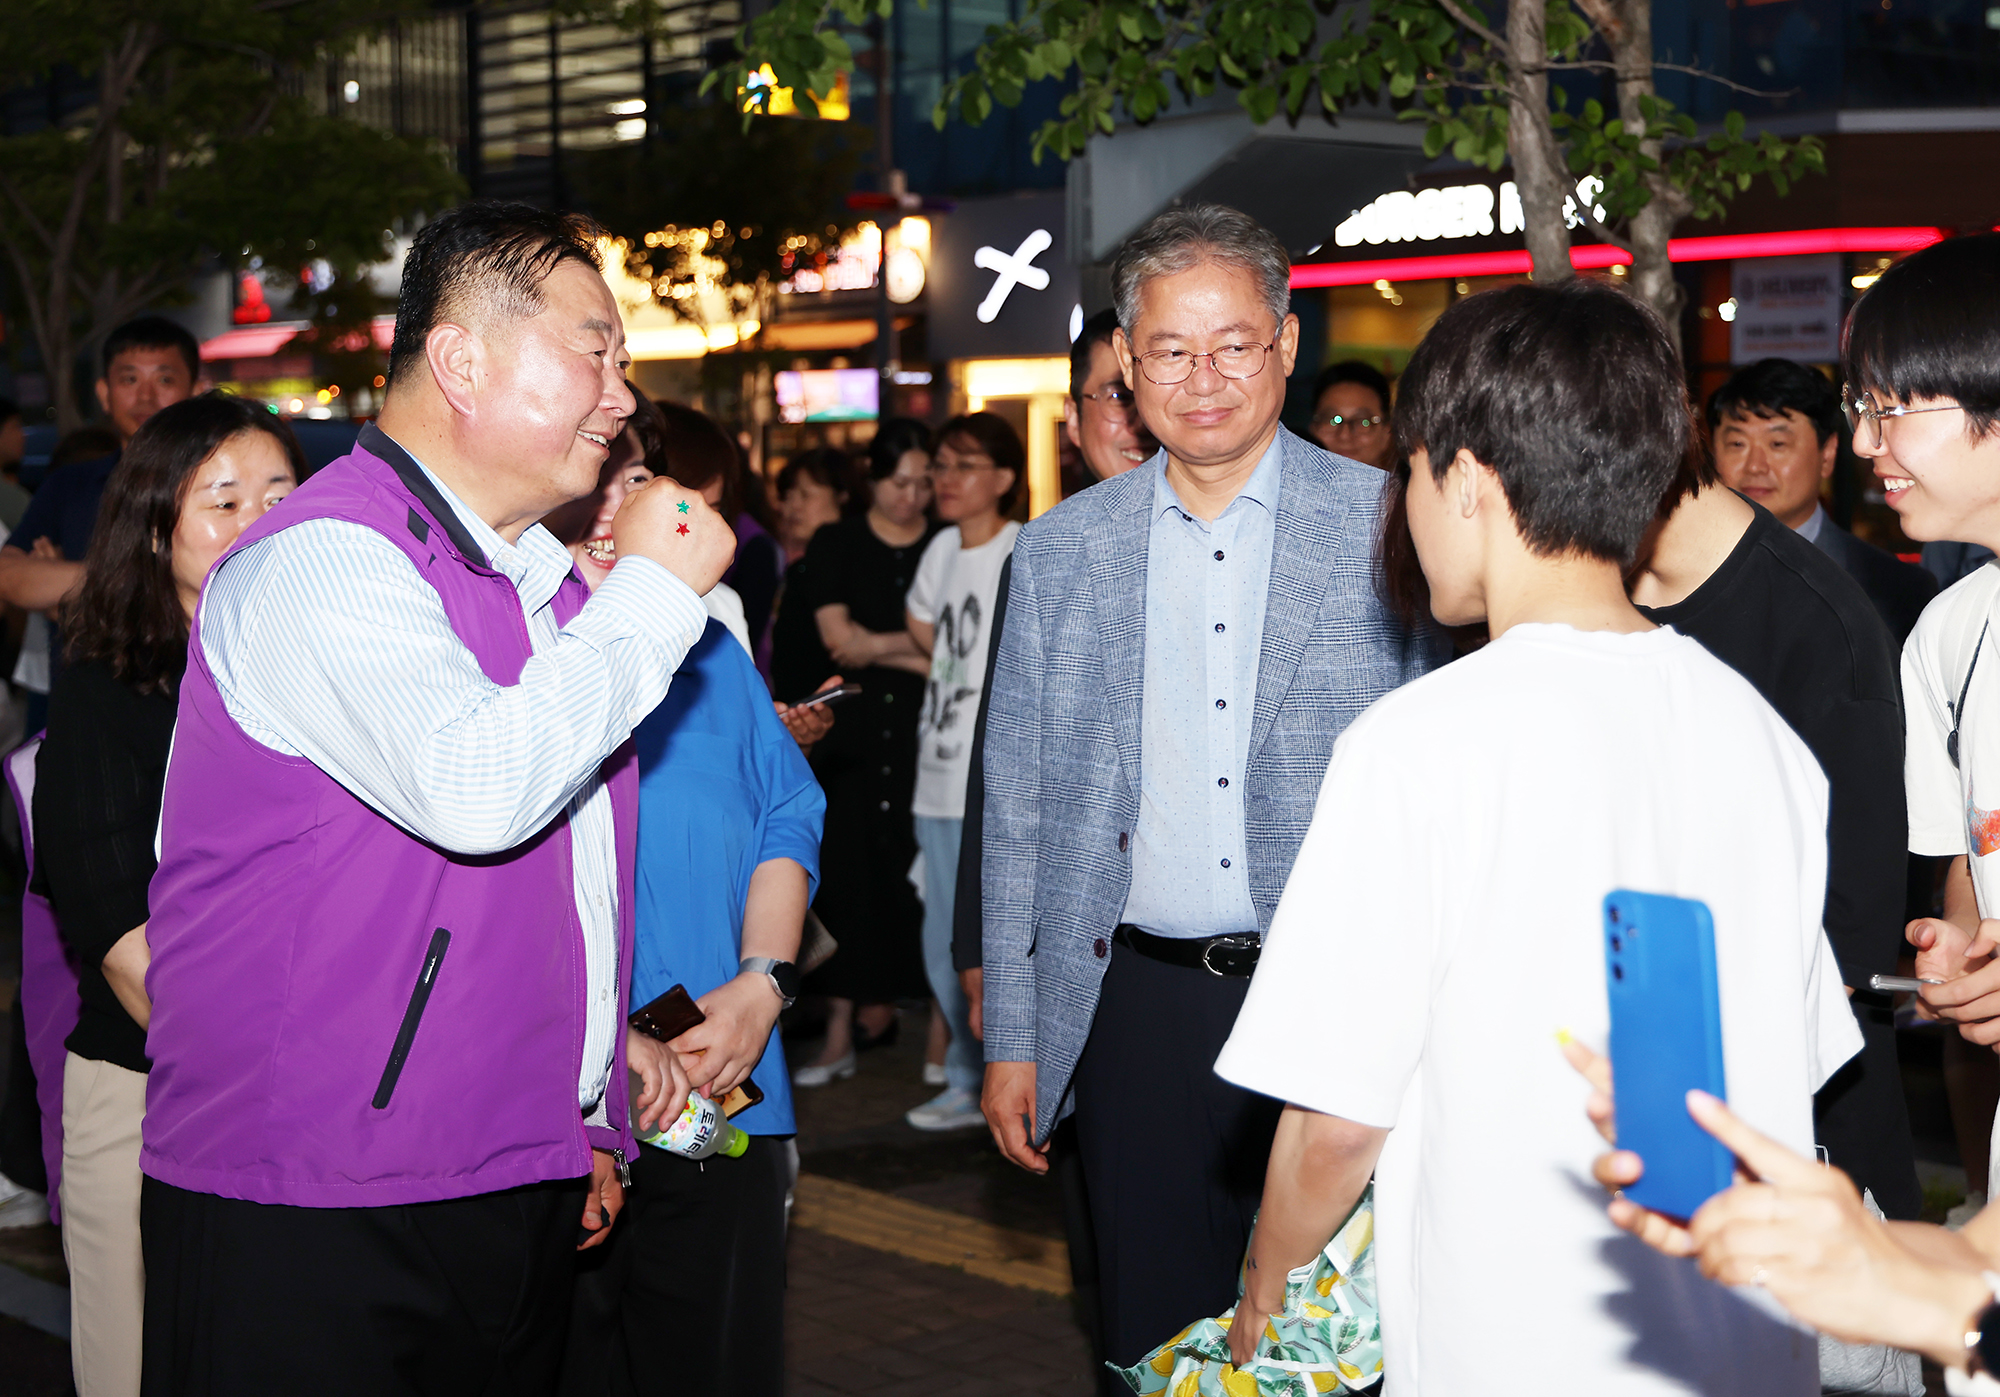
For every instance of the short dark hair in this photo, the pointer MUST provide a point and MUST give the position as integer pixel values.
(128, 613)
(495, 252)
(1096, 330)
(1774, 387)
(1930, 328)
(152, 332)
(824, 464)
(1352, 371)
(994, 435)
(1572, 394)
(9, 410)
(895, 439)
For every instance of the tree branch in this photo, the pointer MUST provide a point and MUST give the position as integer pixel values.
(35, 224)
(1601, 228)
(1602, 65)
(1458, 12)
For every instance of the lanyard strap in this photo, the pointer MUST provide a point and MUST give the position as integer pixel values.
(1958, 712)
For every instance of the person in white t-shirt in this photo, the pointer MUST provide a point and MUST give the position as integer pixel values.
(976, 471)
(1443, 921)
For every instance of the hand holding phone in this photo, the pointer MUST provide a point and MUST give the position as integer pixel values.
(845, 691)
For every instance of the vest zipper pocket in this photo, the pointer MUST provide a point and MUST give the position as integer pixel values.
(407, 1033)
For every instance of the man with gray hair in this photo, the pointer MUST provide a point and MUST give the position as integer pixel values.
(1183, 645)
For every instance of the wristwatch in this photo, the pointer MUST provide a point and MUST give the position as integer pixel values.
(783, 975)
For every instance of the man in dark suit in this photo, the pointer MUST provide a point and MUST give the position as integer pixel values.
(1775, 427)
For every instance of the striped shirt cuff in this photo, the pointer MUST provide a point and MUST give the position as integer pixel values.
(642, 600)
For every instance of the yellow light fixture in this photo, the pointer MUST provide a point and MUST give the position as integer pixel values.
(833, 106)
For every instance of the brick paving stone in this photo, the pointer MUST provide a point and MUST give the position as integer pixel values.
(860, 1320)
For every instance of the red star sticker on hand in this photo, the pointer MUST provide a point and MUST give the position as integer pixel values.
(682, 529)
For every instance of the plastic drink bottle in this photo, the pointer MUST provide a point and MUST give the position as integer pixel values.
(699, 1131)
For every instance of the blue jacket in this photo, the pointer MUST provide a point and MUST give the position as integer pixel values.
(1063, 732)
(722, 788)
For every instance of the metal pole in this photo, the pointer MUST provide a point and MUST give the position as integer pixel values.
(886, 361)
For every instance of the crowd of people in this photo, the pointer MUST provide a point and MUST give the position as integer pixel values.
(437, 841)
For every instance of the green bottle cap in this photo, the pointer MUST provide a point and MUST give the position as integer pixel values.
(738, 1143)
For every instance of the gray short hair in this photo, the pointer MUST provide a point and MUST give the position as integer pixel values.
(1181, 238)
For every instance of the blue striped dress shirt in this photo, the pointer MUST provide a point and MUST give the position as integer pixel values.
(1206, 584)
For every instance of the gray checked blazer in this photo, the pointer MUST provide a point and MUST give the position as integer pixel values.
(1063, 732)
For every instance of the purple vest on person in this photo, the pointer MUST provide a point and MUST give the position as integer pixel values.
(343, 1014)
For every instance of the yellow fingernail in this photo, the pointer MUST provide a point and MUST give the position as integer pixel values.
(1564, 1037)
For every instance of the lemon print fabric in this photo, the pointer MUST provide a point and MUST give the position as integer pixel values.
(1327, 1340)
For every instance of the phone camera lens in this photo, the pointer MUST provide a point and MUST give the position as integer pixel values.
(1617, 972)
(1611, 913)
(1616, 944)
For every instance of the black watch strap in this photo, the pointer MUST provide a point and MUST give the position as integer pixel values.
(1984, 1347)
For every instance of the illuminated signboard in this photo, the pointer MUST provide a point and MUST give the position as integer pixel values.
(1455, 211)
(827, 395)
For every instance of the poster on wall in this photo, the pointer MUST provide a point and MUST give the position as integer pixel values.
(1786, 308)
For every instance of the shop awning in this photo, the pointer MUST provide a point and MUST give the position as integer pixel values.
(251, 341)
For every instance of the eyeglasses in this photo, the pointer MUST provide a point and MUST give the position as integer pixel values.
(1356, 424)
(1861, 408)
(1114, 397)
(1167, 367)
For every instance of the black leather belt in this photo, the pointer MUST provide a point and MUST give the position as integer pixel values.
(1232, 957)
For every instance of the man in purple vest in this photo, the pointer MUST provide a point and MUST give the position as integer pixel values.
(391, 929)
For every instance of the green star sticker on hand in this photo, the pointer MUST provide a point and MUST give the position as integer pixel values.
(684, 506)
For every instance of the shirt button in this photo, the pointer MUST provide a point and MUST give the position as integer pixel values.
(1222, 703)
(1225, 863)
(888, 698)
(1099, 947)
(885, 806)
(1218, 555)
(885, 770)
(1223, 781)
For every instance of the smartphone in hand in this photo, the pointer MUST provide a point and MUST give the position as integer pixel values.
(1666, 1039)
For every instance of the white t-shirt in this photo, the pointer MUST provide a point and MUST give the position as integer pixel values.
(1444, 921)
(955, 591)
(1946, 816)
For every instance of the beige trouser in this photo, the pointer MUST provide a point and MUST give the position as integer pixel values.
(103, 1105)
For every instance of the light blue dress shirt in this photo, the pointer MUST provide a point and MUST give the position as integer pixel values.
(1206, 585)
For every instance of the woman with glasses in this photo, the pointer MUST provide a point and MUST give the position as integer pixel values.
(1351, 413)
(1922, 360)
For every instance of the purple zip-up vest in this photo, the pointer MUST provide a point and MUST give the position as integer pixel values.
(343, 1014)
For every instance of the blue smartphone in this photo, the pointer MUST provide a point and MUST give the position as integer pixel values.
(1666, 1039)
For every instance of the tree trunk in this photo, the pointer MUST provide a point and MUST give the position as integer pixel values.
(1627, 27)
(1531, 141)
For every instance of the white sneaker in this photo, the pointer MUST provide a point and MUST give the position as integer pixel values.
(955, 1109)
(935, 1075)
(819, 1074)
(21, 1207)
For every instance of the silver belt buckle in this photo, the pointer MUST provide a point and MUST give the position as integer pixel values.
(1227, 943)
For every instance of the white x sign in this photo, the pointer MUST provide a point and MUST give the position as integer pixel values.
(1009, 272)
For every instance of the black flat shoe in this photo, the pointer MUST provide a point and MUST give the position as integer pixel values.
(885, 1039)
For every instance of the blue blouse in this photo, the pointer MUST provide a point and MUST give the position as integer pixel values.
(723, 788)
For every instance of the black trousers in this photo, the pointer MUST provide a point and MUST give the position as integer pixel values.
(688, 1296)
(1173, 1156)
(468, 1296)
(21, 1114)
(1863, 1119)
